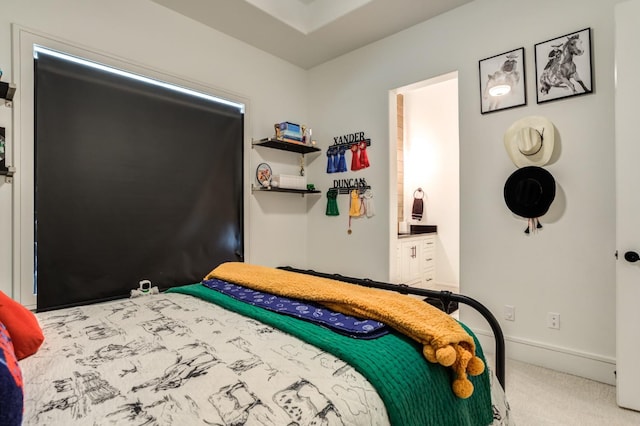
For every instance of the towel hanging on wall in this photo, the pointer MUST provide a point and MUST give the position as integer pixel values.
(418, 204)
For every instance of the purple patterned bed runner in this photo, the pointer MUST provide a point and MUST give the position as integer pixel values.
(341, 323)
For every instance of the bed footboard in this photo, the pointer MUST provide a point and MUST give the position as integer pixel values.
(445, 296)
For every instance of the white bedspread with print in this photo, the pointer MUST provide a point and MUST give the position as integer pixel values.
(173, 359)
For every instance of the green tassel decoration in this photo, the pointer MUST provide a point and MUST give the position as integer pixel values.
(332, 203)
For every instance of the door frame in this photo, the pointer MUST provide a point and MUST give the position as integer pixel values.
(393, 178)
(627, 150)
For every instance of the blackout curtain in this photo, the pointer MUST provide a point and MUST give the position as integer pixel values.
(132, 182)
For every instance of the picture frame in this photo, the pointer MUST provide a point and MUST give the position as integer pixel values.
(264, 175)
(564, 66)
(502, 81)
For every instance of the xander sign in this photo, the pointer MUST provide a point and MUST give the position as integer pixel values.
(354, 142)
(351, 138)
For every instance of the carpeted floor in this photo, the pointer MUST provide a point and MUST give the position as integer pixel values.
(540, 397)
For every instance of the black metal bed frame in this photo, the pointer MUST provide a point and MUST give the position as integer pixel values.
(445, 296)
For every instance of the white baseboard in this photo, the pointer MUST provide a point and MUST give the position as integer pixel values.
(591, 366)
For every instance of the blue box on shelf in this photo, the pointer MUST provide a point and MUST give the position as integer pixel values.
(291, 131)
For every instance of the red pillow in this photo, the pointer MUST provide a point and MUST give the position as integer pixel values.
(22, 325)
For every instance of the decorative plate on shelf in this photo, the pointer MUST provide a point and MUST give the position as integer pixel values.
(263, 174)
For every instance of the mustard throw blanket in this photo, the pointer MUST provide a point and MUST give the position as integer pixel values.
(443, 338)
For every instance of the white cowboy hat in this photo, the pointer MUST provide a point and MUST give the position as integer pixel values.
(529, 141)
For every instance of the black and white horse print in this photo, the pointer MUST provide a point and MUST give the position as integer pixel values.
(560, 70)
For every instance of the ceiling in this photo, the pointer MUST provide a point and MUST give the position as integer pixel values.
(309, 32)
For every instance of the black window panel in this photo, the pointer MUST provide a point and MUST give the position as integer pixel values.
(133, 182)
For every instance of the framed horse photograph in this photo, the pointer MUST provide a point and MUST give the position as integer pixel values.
(563, 66)
(502, 82)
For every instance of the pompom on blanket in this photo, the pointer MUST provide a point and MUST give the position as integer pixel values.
(443, 339)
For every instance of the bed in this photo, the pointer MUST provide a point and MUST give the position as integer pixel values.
(196, 354)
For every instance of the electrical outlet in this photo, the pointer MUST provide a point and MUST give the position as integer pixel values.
(553, 320)
(509, 313)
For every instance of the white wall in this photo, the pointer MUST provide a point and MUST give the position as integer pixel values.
(432, 163)
(143, 33)
(566, 268)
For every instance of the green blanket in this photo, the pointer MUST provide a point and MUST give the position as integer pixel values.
(415, 392)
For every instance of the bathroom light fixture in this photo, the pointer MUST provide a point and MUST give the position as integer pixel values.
(500, 90)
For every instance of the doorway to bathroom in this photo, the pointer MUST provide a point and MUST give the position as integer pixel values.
(425, 212)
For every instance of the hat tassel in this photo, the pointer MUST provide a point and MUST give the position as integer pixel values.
(533, 224)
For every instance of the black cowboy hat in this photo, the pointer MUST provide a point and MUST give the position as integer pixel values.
(529, 191)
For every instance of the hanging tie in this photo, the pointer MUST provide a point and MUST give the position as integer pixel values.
(364, 158)
(418, 204)
(355, 158)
